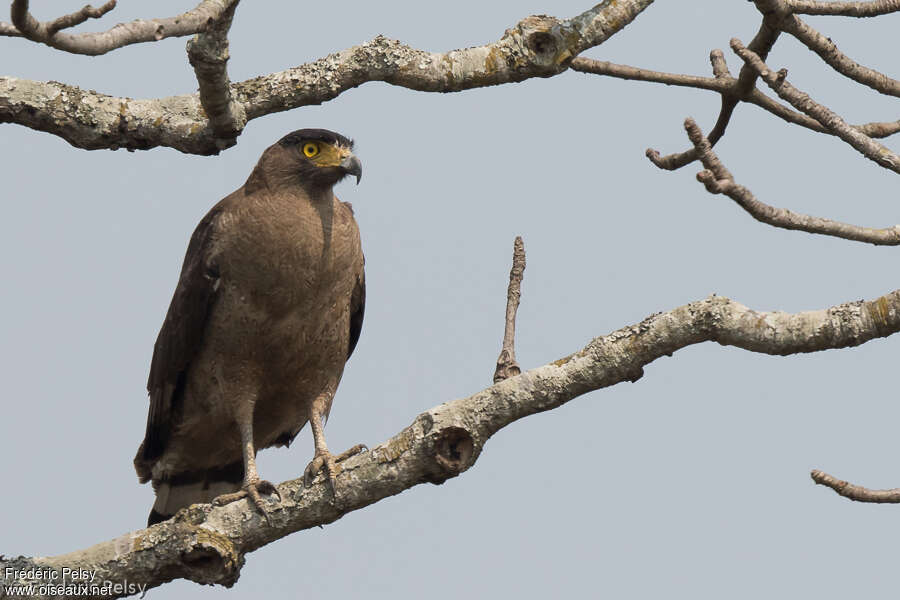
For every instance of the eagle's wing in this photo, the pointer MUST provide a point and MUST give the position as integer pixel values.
(179, 341)
(357, 310)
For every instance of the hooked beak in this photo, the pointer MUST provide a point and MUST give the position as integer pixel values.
(352, 166)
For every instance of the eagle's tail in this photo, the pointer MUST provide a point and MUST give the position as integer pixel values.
(195, 487)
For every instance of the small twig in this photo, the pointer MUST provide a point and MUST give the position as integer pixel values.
(829, 119)
(725, 84)
(208, 54)
(857, 493)
(35, 30)
(79, 17)
(101, 42)
(719, 64)
(600, 67)
(506, 363)
(718, 180)
(761, 43)
(837, 60)
(845, 9)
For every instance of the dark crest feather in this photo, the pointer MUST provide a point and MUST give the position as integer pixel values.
(320, 135)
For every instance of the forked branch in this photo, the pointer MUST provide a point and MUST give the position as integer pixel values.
(718, 180)
(208, 54)
(723, 83)
(837, 60)
(34, 30)
(762, 44)
(124, 34)
(829, 119)
(538, 46)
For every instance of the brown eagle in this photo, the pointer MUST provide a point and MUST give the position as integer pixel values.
(268, 309)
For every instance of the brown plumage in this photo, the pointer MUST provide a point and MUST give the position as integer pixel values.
(267, 310)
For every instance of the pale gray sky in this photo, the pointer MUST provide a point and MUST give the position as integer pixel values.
(692, 482)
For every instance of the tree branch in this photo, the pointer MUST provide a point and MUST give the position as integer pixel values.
(123, 34)
(856, 493)
(845, 9)
(536, 47)
(830, 120)
(506, 363)
(718, 180)
(208, 54)
(723, 83)
(35, 30)
(837, 60)
(208, 545)
(762, 44)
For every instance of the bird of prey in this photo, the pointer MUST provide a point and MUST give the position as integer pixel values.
(268, 309)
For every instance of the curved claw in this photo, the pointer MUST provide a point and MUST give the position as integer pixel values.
(315, 465)
(329, 461)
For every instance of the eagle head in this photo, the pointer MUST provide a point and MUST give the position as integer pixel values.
(320, 157)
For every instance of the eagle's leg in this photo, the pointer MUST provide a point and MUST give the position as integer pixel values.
(253, 486)
(323, 457)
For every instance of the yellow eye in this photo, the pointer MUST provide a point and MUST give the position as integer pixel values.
(310, 149)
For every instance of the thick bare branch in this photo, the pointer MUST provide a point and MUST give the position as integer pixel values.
(506, 363)
(873, 8)
(208, 545)
(830, 120)
(723, 83)
(762, 44)
(208, 54)
(90, 120)
(718, 180)
(123, 34)
(856, 492)
(536, 47)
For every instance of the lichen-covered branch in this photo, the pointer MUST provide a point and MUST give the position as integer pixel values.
(718, 180)
(829, 119)
(873, 8)
(535, 47)
(854, 492)
(90, 120)
(123, 34)
(208, 545)
(507, 366)
(723, 83)
(208, 54)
